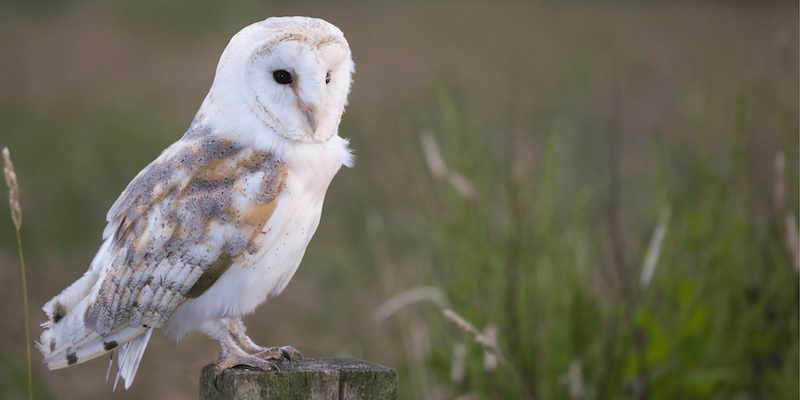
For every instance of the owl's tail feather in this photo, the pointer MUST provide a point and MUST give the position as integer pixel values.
(68, 341)
(62, 305)
(130, 355)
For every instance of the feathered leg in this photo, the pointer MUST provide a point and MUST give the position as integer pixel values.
(237, 331)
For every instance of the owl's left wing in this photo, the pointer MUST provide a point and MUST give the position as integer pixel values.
(178, 226)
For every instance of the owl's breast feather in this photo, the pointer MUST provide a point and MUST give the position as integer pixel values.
(282, 242)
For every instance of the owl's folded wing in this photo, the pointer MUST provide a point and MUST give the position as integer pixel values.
(178, 226)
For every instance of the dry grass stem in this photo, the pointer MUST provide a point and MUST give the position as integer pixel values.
(461, 185)
(420, 339)
(413, 365)
(616, 234)
(457, 371)
(779, 198)
(418, 345)
(433, 156)
(13, 189)
(491, 331)
(477, 335)
(16, 216)
(409, 297)
(654, 248)
(488, 345)
(439, 170)
(572, 381)
(792, 243)
(779, 195)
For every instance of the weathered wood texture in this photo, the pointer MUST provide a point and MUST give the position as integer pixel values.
(312, 379)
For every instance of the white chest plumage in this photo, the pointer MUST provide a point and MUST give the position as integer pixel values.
(251, 281)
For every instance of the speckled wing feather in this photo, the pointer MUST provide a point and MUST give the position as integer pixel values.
(179, 225)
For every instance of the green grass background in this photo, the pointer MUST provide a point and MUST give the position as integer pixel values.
(539, 105)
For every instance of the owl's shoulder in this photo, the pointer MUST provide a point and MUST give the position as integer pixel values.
(203, 174)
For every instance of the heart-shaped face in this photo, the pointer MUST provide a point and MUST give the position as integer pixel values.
(294, 73)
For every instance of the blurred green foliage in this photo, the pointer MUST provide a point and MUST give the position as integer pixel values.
(719, 321)
(14, 382)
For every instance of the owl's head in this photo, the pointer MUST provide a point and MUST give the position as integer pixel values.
(293, 73)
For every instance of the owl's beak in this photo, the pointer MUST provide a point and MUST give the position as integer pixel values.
(310, 113)
(311, 118)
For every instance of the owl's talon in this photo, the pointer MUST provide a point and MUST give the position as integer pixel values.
(217, 376)
(286, 356)
(232, 357)
(275, 366)
(271, 353)
(279, 354)
(293, 353)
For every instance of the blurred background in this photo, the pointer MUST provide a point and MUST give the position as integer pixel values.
(607, 191)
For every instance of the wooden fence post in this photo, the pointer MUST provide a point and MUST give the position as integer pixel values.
(311, 379)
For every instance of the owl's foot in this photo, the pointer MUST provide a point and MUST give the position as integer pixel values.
(233, 355)
(280, 353)
(236, 330)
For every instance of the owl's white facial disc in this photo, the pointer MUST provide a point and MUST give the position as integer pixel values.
(295, 75)
(300, 87)
(306, 108)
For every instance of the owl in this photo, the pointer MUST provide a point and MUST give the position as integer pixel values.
(221, 219)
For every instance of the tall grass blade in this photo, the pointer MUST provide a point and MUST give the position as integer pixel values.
(16, 216)
(488, 345)
(654, 249)
(408, 297)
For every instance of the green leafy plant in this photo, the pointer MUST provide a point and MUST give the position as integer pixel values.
(716, 319)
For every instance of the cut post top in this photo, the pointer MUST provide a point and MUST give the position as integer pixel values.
(311, 379)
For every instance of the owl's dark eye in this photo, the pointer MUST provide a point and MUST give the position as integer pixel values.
(328, 78)
(282, 76)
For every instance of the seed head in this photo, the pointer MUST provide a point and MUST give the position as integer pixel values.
(13, 189)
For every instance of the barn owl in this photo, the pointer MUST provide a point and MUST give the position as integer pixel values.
(221, 219)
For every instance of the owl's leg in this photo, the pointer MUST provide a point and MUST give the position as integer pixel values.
(232, 354)
(236, 329)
